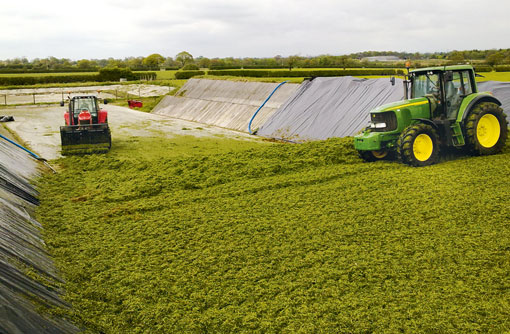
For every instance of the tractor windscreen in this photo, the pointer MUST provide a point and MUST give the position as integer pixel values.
(88, 104)
(424, 83)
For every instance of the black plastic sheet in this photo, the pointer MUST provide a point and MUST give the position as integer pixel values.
(6, 118)
(330, 107)
(22, 251)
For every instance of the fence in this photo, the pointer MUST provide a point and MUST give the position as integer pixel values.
(55, 95)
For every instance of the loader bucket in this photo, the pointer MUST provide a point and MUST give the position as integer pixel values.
(94, 138)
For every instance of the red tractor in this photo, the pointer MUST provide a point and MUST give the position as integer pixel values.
(86, 129)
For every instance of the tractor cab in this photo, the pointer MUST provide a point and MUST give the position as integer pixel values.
(87, 107)
(445, 89)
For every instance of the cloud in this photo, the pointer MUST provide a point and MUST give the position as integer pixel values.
(115, 28)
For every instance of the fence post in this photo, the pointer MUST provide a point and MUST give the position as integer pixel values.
(33, 94)
(5, 99)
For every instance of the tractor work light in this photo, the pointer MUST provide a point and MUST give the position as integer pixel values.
(377, 125)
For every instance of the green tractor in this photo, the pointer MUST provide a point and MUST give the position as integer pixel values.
(444, 110)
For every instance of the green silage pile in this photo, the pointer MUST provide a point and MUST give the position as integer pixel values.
(242, 237)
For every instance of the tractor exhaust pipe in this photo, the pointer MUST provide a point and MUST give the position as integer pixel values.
(407, 81)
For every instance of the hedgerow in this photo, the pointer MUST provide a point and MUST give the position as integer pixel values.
(116, 73)
(34, 80)
(305, 73)
(187, 74)
(502, 68)
(105, 74)
(278, 238)
(483, 68)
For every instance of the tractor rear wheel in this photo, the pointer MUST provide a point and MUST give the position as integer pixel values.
(418, 145)
(371, 156)
(486, 129)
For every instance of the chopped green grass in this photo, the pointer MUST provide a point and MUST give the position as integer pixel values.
(189, 235)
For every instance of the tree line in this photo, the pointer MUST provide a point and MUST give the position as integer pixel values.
(184, 60)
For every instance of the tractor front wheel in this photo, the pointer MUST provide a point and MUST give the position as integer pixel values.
(486, 129)
(418, 145)
(371, 156)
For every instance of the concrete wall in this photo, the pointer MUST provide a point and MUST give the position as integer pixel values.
(228, 104)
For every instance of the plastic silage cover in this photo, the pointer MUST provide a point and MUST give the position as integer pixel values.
(330, 107)
(223, 103)
(501, 90)
(22, 249)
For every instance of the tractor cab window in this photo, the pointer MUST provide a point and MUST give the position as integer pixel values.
(468, 89)
(426, 83)
(455, 91)
(88, 104)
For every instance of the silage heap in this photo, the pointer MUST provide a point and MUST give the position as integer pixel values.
(317, 109)
(280, 238)
(28, 278)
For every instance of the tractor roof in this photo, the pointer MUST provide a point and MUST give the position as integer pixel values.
(444, 68)
(83, 96)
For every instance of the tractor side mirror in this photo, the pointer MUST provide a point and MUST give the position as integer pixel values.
(448, 76)
(105, 101)
(392, 80)
(62, 103)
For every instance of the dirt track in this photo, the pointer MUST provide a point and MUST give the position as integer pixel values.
(39, 127)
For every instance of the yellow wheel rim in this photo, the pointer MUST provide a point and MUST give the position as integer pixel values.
(423, 147)
(380, 154)
(488, 130)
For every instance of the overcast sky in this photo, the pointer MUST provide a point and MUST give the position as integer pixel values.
(244, 28)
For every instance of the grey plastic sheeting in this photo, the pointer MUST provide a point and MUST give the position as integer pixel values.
(340, 107)
(22, 249)
(330, 107)
(227, 104)
(501, 90)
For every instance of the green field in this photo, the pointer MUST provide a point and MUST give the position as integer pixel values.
(496, 76)
(188, 235)
(165, 75)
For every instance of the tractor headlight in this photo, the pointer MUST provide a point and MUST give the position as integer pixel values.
(377, 125)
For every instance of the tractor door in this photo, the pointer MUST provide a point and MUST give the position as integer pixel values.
(456, 90)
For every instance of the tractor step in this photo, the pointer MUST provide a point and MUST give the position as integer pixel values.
(457, 136)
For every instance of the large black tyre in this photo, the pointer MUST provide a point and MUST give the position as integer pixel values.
(371, 156)
(486, 129)
(418, 145)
